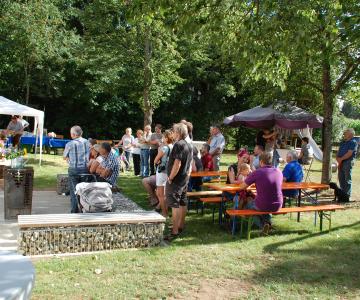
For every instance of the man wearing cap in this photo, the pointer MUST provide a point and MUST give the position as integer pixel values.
(16, 129)
(217, 145)
(77, 154)
(346, 160)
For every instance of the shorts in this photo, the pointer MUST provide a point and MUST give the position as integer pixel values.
(161, 179)
(176, 195)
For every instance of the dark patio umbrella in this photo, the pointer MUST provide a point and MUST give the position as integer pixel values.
(281, 115)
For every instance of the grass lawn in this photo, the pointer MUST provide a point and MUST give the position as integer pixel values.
(296, 262)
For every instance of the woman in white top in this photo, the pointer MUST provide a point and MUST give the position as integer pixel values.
(127, 141)
(136, 152)
(160, 161)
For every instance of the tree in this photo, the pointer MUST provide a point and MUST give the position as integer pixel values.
(34, 37)
(313, 44)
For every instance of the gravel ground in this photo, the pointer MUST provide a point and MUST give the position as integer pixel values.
(124, 204)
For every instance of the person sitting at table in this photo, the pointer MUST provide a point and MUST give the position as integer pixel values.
(254, 159)
(306, 152)
(292, 172)
(95, 158)
(16, 129)
(108, 169)
(195, 183)
(243, 158)
(269, 197)
(207, 161)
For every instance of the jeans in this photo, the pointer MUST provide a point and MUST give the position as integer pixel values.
(276, 159)
(145, 153)
(128, 156)
(153, 154)
(74, 179)
(216, 162)
(258, 220)
(345, 175)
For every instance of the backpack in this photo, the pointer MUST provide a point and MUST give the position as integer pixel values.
(94, 197)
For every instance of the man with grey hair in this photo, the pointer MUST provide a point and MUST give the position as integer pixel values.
(217, 145)
(346, 160)
(292, 172)
(77, 154)
(178, 171)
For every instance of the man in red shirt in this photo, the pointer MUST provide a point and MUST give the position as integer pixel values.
(206, 158)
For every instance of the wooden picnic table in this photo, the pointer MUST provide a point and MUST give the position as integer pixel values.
(235, 189)
(208, 173)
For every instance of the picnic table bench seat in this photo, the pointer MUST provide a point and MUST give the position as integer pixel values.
(71, 233)
(323, 210)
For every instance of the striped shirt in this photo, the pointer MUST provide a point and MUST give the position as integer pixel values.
(77, 151)
(111, 163)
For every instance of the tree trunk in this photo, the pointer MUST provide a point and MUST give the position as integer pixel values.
(328, 106)
(148, 110)
(27, 84)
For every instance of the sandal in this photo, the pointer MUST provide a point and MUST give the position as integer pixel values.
(171, 237)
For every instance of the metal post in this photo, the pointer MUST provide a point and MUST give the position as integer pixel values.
(321, 213)
(249, 227)
(299, 204)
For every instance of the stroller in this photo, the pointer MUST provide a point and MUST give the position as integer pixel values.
(94, 197)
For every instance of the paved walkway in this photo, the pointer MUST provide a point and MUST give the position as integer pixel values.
(44, 202)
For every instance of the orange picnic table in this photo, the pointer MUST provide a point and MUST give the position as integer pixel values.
(208, 173)
(301, 186)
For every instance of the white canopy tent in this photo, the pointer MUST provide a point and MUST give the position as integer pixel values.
(8, 107)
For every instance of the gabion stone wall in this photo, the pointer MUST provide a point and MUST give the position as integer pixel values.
(56, 240)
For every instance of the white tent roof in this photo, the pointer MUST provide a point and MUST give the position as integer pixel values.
(8, 107)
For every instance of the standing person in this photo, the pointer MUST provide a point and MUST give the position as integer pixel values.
(161, 160)
(16, 129)
(195, 183)
(269, 197)
(127, 141)
(24, 123)
(271, 145)
(306, 152)
(255, 159)
(136, 152)
(77, 154)
(178, 171)
(346, 160)
(260, 140)
(145, 151)
(155, 141)
(217, 145)
(190, 128)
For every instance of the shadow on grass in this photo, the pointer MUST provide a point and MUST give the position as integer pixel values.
(329, 262)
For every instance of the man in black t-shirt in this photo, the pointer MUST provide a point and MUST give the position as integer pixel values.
(178, 170)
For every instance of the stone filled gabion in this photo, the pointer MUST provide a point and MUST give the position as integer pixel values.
(41, 241)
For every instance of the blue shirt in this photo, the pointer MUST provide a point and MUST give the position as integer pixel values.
(217, 141)
(111, 163)
(345, 146)
(77, 151)
(293, 172)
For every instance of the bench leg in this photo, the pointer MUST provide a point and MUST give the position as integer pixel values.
(233, 226)
(321, 214)
(202, 208)
(241, 226)
(213, 213)
(249, 227)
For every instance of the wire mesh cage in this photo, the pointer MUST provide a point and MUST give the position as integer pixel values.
(18, 191)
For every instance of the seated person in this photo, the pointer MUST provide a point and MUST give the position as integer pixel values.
(292, 172)
(207, 161)
(243, 157)
(2, 139)
(95, 158)
(16, 129)
(254, 159)
(149, 184)
(306, 152)
(206, 158)
(269, 197)
(196, 166)
(108, 170)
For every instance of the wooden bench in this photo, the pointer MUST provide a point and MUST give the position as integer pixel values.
(322, 210)
(197, 194)
(72, 233)
(210, 200)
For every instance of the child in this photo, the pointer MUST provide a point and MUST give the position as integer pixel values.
(244, 195)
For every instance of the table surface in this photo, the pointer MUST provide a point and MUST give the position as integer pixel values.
(17, 276)
(285, 186)
(208, 173)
